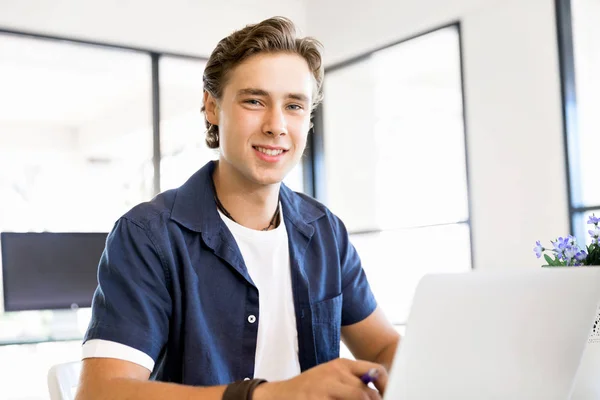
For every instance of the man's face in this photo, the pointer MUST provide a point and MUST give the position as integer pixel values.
(264, 116)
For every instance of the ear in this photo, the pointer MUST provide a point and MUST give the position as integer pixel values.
(211, 108)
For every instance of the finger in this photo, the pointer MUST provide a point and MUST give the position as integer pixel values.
(382, 380)
(380, 383)
(340, 391)
(373, 394)
(358, 368)
(346, 376)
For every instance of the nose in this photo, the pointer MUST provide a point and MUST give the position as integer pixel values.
(275, 123)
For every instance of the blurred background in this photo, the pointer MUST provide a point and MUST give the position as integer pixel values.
(453, 135)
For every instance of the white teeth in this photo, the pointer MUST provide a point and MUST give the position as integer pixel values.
(269, 152)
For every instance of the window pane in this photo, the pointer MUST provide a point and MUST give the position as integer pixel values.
(75, 135)
(75, 154)
(183, 133)
(394, 141)
(396, 260)
(586, 42)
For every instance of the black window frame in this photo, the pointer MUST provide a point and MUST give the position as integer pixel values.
(317, 142)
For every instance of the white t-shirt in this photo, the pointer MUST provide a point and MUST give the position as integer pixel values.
(267, 258)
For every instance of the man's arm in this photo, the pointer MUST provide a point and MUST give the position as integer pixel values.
(372, 339)
(106, 378)
(109, 378)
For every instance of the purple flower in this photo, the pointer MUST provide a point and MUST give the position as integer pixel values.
(565, 249)
(570, 253)
(581, 255)
(539, 249)
(595, 234)
(560, 244)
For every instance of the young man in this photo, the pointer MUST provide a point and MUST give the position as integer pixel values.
(233, 279)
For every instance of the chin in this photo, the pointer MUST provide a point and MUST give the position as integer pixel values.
(269, 177)
(269, 180)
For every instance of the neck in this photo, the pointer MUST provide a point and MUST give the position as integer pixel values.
(250, 204)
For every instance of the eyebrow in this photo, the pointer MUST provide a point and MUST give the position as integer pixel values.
(264, 93)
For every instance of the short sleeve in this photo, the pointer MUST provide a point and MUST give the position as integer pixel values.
(358, 299)
(132, 303)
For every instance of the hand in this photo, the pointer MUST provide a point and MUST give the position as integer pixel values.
(337, 379)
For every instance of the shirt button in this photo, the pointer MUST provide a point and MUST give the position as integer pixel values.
(246, 379)
(252, 319)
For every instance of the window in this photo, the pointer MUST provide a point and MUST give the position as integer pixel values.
(182, 129)
(579, 38)
(395, 163)
(75, 154)
(76, 137)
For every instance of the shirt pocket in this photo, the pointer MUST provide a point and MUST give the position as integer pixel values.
(327, 323)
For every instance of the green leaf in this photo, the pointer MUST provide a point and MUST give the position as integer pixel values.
(593, 257)
(548, 260)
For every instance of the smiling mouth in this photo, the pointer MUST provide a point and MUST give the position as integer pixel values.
(269, 152)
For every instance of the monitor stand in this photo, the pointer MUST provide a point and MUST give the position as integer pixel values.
(64, 324)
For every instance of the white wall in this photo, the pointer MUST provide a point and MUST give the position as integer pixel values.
(512, 99)
(518, 176)
(180, 26)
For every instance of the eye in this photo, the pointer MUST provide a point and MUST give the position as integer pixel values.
(252, 102)
(295, 107)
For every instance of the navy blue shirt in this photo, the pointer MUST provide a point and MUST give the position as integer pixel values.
(173, 284)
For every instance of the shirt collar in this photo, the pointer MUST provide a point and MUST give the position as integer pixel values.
(194, 206)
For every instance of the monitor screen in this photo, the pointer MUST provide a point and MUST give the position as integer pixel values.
(50, 270)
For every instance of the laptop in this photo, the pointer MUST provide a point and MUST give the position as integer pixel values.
(511, 334)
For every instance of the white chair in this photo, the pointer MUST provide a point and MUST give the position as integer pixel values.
(63, 380)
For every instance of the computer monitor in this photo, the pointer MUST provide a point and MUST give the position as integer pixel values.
(50, 270)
